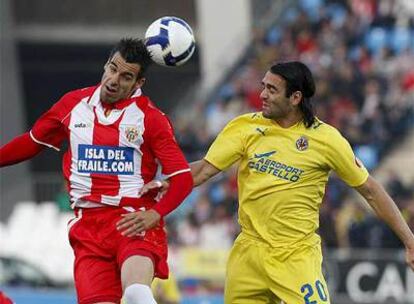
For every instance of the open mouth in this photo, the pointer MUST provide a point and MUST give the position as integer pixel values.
(110, 90)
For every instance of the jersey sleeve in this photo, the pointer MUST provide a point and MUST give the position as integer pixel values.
(228, 147)
(49, 130)
(19, 149)
(343, 161)
(164, 145)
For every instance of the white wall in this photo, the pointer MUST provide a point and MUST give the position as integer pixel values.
(224, 31)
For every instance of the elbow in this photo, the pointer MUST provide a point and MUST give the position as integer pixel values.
(368, 189)
(374, 194)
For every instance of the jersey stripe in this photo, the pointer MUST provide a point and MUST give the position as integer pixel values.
(132, 129)
(80, 184)
(105, 184)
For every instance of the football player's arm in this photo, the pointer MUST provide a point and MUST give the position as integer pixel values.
(386, 209)
(134, 223)
(224, 151)
(19, 149)
(202, 171)
(173, 162)
(180, 186)
(46, 132)
(351, 170)
(175, 167)
(227, 148)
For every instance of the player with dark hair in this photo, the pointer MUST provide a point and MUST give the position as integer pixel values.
(298, 78)
(285, 155)
(116, 139)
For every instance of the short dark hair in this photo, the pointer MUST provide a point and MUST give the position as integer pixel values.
(133, 51)
(298, 77)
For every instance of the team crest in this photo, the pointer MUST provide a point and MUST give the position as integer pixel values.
(131, 133)
(302, 143)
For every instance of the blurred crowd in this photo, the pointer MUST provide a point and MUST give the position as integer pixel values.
(362, 55)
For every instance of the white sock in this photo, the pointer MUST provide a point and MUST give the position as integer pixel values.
(138, 294)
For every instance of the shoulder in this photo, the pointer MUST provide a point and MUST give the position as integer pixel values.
(247, 119)
(71, 98)
(154, 118)
(79, 94)
(324, 129)
(145, 104)
(329, 135)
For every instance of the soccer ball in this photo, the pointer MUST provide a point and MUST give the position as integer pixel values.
(170, 41)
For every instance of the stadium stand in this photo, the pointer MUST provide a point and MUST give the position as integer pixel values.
(364, 88)
(362, 55)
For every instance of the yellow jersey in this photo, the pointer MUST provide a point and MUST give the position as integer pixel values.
(282, 174)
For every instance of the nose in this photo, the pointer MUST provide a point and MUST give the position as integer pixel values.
(114, 80)
(263, 94)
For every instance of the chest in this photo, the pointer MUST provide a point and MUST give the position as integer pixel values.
(91, 125)
(288, 156)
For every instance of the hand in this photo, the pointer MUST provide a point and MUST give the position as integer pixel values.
(155, 184)
(136, 223)
(409, 257)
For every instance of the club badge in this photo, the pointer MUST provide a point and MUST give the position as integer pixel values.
(131, 133)
(302, 143)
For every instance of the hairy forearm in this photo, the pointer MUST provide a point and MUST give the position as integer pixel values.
(202, 171)
(386, 209)
(197, 172)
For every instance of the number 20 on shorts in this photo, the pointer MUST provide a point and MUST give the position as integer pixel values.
(308, 292)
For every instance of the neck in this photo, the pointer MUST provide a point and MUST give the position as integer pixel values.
(289, 120)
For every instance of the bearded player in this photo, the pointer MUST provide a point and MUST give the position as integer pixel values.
(285, 155)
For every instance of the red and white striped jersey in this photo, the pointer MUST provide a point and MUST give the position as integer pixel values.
(109, 158)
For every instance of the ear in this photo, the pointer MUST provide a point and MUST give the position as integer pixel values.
(140, 82)
(296, 98)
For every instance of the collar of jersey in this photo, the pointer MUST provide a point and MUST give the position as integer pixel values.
(297, 125)
(121, 104)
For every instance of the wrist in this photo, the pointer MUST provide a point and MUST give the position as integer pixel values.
(409, 244)
(156, 212)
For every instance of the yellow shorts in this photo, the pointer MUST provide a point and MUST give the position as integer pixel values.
(257, 273)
